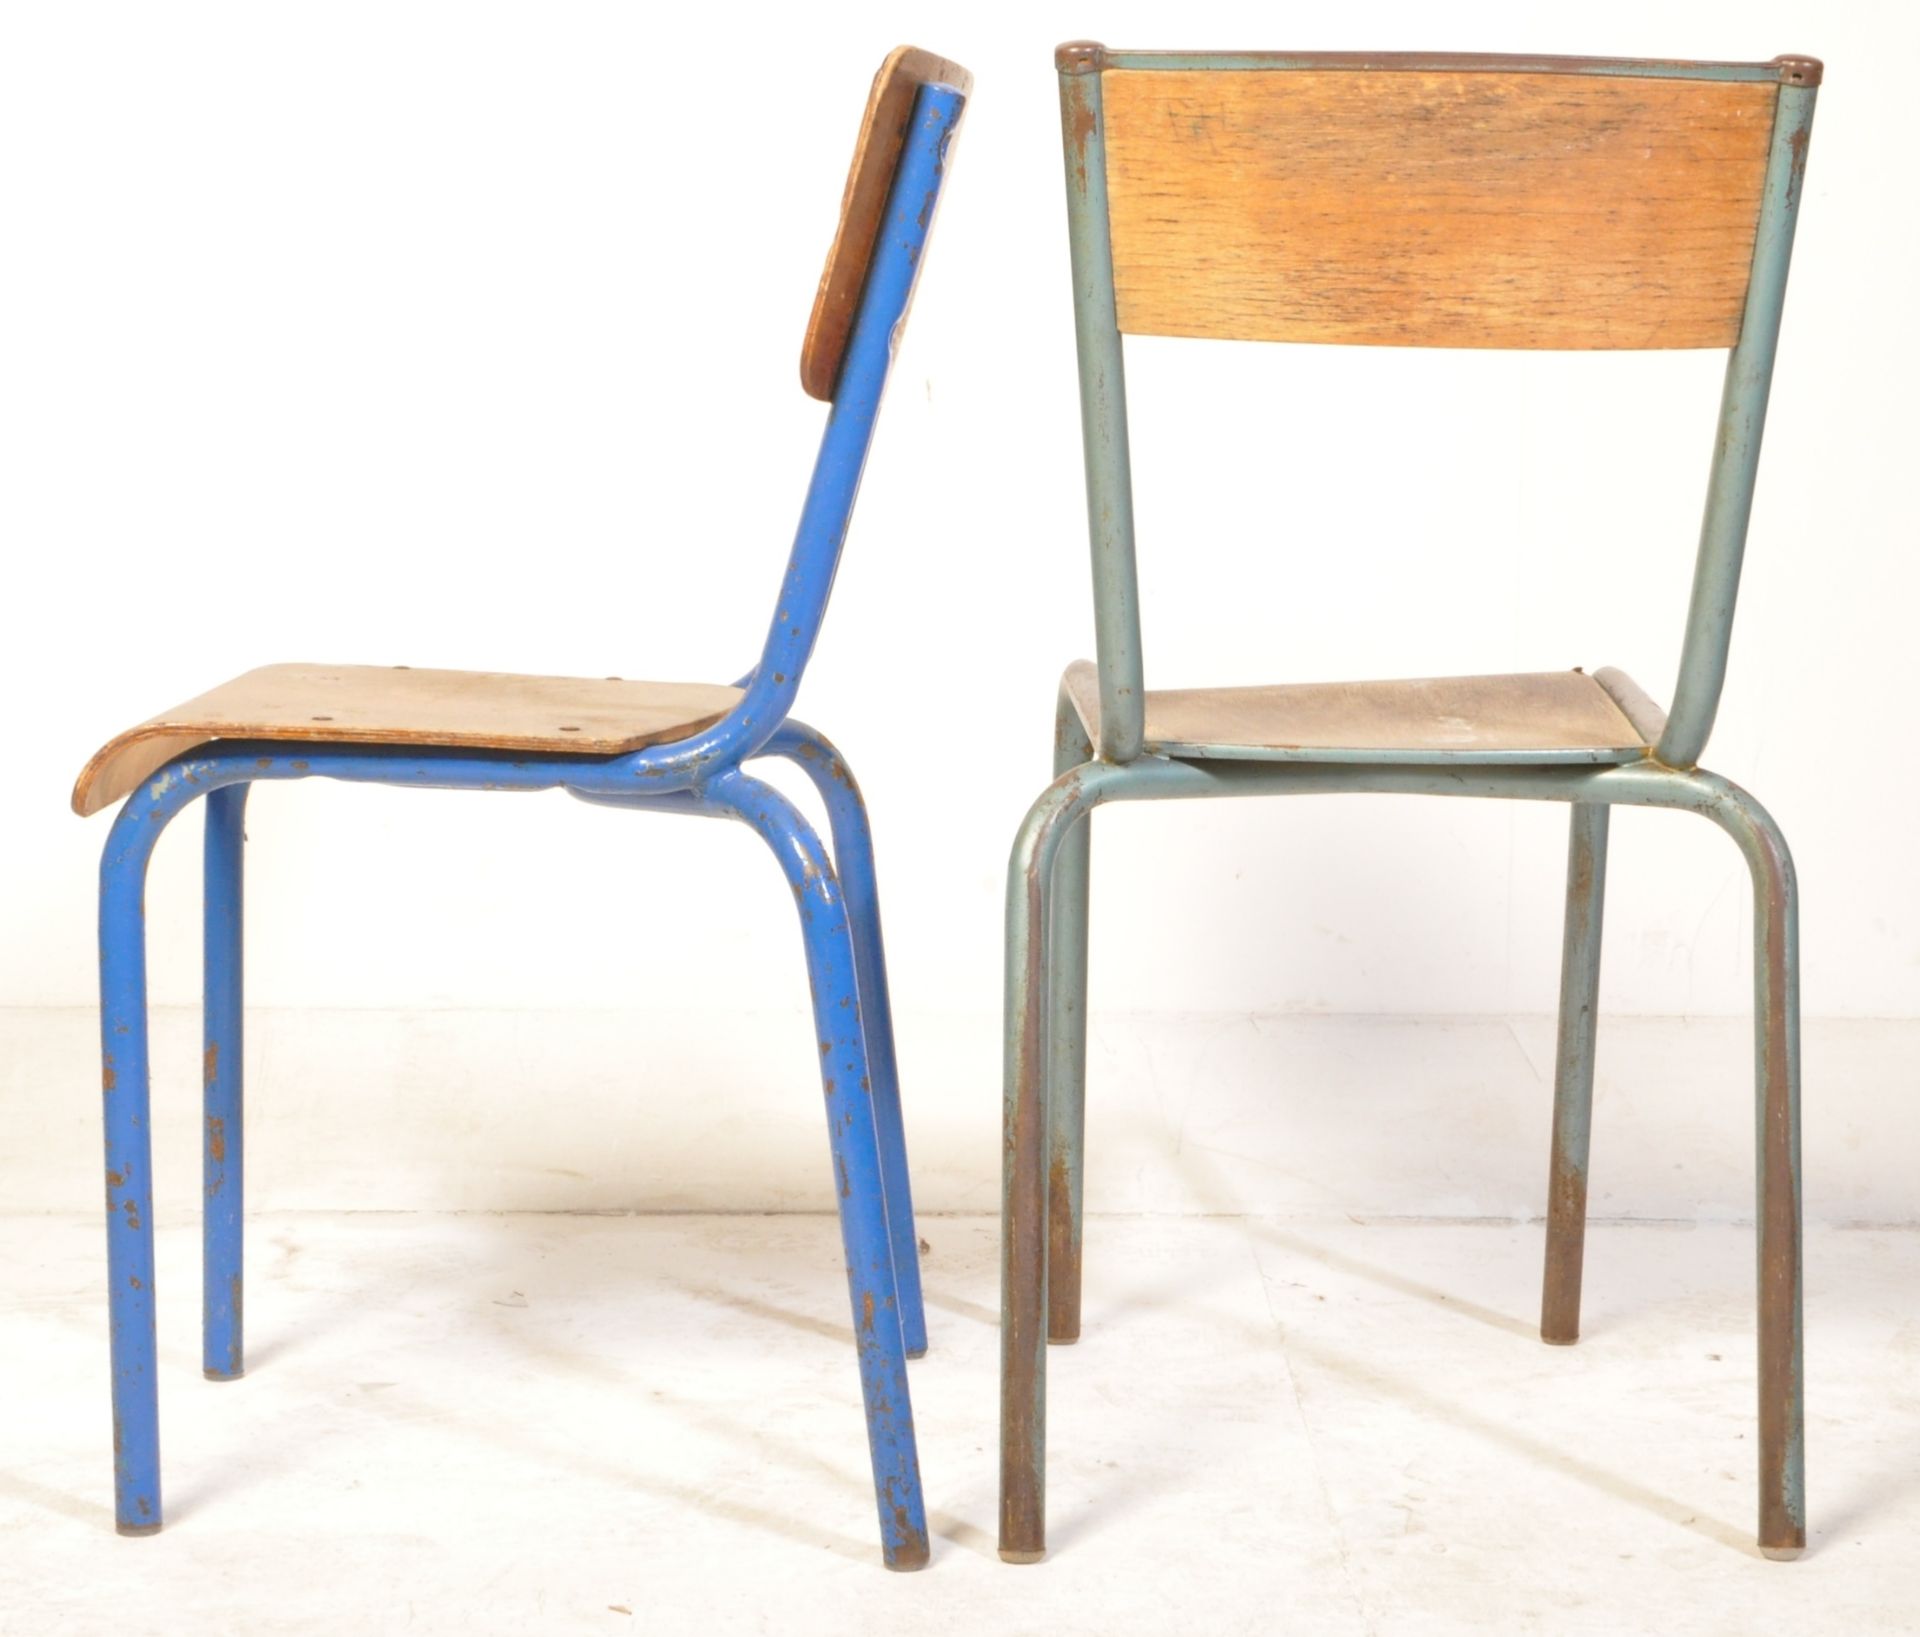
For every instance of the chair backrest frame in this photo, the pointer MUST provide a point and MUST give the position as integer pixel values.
(886, 259)
(1098, 332)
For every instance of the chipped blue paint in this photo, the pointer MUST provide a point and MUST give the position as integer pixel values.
(223, 1137)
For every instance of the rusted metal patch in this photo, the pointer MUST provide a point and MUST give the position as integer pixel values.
(1566, 1252)
(1063, 1257)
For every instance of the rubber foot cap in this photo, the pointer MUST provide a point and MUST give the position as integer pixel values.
(1781, 1554)
(1007, 1556)
(132, 1530)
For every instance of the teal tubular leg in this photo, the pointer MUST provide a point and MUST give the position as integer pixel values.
(1025, 1144)
(1573, 1074)
(853, 859)
(1067, 1046)
(832, 971)
(223, 1156)
(1776, 983)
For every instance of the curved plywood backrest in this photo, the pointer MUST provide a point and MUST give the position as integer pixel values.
(869, 181)
(1436, 201)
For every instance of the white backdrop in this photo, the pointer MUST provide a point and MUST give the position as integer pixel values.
(467, 336)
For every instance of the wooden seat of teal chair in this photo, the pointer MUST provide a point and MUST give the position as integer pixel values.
(648, 746)
(1566, 203)
(1543, 719)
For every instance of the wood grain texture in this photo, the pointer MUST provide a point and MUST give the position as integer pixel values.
(1416, 208)
(396, 705)
(876, 155)
(1546, 717)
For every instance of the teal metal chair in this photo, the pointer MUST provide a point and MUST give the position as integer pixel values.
(1414, 201)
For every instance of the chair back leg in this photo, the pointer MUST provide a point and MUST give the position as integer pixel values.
(1573, 1074)
(223, 1135)
(1067, 1045)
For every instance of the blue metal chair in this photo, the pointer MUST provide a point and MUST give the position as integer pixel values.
(1423, 201)
(648, 746)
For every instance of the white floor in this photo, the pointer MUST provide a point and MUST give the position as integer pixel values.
(534, 1424)
(1192, 1114)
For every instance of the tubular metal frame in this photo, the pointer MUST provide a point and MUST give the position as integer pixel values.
(702, 775)
(1047, 882)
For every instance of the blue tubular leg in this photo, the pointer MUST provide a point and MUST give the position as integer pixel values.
(223, 1156)
(832, 969)
(853, 860)
(125, 1078)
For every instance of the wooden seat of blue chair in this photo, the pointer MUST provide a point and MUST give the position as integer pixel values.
(399, 705)
(647, 746)
(1542, 719)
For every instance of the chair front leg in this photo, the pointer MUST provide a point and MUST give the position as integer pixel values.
(1573, 1074)
(853, 860)
(1026, 1144)
(1776, 982)
(223, 1137)
(846, 1074)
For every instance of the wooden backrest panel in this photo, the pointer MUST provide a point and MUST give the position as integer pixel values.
(876, 155)
(1434, 207)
